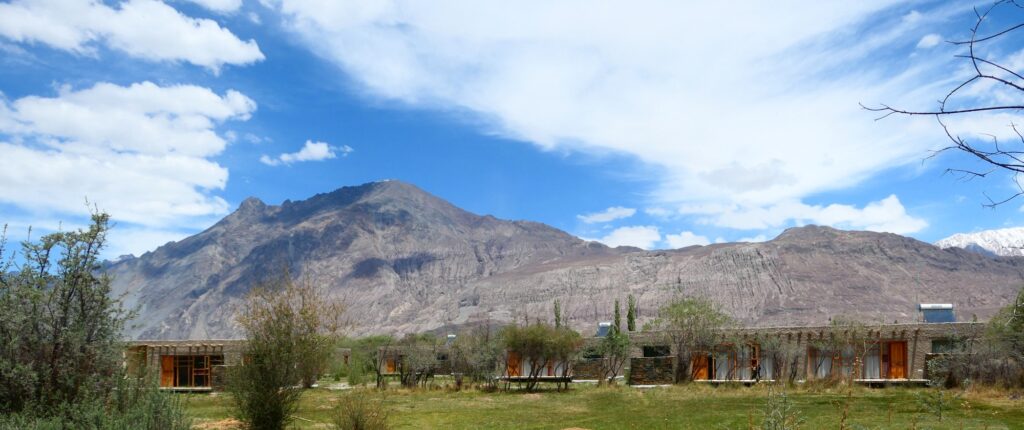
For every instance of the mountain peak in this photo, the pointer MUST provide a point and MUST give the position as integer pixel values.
(252, 203)
(807, 232)
(1002, 242)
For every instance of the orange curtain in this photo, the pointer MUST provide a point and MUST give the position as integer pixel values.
(700, 367)
(514, 364)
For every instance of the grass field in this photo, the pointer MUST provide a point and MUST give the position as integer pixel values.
(692, 406)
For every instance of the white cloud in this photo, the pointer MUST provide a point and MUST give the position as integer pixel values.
(136, 241)
(758, 238)
(311, 151)
(929, 41)
(644, 237)
(140, 152)
(611, 214)
(145, 29)
(220, 6)
(726, 122)
(886, 215)
(658, 212)
(685, 239)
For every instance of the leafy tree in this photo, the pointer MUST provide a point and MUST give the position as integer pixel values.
(614, 351)
(1007, 327)
(1003, 349)
(60, 348)
(784, 356)
(477, 352)
(692, 326)
(558, 314)
(417, 358)
(290, 327)
(631, 313)
(59, 327)
(539, 344)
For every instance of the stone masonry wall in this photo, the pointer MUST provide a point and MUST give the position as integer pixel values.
(650, 370)
(587, 368)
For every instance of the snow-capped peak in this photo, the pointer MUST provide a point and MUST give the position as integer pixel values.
(1003, 242)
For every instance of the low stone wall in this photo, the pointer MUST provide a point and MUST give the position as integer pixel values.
(218, 377)
(587, 368)
(650, 370)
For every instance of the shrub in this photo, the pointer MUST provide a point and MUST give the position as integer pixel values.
(476, 353)
(290, 328)
(359, 412)
(133, 404)
(60, 348)
(539, 344)
(997, 358)
(59, 326)
(779, 412)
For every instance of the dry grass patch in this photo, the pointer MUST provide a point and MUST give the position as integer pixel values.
(225, 424)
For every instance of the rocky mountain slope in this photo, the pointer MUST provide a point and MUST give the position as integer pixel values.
(405, 260)
(1004, 242)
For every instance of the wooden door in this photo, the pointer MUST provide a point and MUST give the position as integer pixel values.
(897, 360)
(166, 370)
(389, 365)
(515, 365)
(700, 364)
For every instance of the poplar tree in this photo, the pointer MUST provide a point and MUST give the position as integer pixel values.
(617, 325)
(631, 313)
(558, 314)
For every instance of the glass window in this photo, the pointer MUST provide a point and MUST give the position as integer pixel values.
(944, 346)
(657, 351)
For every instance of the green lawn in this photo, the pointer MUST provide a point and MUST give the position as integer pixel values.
(692, 406)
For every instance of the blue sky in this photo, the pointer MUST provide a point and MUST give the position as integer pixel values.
(652, 124)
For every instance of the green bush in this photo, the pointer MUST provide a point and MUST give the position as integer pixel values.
(133, 404)
(356, 376)
(60, 341)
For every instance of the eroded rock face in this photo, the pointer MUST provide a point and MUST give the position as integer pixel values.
(406, 261)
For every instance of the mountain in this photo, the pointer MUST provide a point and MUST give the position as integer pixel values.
(1004, 242)
(405, 260)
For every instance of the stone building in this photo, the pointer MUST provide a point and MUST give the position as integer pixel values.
(190, 365)
(879, 354)
(184, 365)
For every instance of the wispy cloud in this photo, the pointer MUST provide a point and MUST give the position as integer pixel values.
(728, 122)
(929, 41)
(221, 6)
(611, 214)
(311, 151)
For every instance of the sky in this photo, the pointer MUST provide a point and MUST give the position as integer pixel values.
(656, 124)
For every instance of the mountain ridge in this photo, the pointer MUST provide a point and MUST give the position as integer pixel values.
(1003, 242)
(405, 260)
